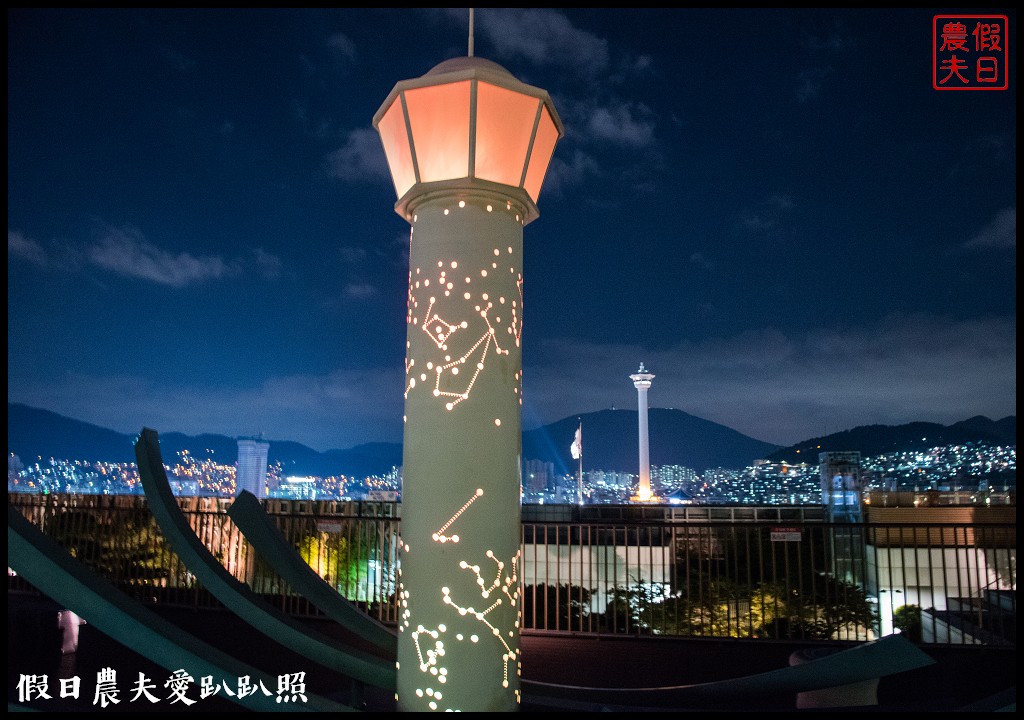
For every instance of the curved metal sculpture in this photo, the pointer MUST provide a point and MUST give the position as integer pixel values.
(263, 535)
(45, 564)
(236, 595)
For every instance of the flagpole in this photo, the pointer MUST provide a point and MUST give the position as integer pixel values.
(579, 485)
(576, 450)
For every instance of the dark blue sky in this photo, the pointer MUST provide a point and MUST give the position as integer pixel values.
(772, 209)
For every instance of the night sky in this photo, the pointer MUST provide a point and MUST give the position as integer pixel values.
(773, 210)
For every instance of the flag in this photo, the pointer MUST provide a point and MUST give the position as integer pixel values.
(577, 445)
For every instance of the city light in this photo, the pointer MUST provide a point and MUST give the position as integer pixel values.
(977, 468)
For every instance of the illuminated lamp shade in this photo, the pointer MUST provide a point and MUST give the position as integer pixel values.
(468, 123)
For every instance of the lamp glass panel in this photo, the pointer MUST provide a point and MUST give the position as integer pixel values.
(439, 117)
(395, 137)
(543, 146)
(504, 124)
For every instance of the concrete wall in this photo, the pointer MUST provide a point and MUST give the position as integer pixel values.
(930, 577)
(599, 568)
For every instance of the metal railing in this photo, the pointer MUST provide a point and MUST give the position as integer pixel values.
(776, 572)
(352, 546)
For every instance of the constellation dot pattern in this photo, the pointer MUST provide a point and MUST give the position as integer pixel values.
(469, 324)
(430, 643)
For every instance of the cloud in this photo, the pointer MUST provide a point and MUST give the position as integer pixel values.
(639, 65)
(1001, 231)
(776, 386)
(360, 159)
(23, 248)
(335, 410)
(624, 123)
(351, 254)
(395, 251)
(836, 41)
(767, 214)
(756, 222)
(810, 82)
(124, 251)
(786, 387)
(176, 60)
(828, 44)
(360, 291)
(701, 261)
(269, 266)
(314, 127)
(342, 47)
(562, 174)
(995, 148)
(544, 37)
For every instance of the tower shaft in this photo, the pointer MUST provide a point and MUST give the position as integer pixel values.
(644, 487)
(642, 382)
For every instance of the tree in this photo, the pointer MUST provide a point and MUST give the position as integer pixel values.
(550, 607)
(737, 582)
(907, 619)
(122, 545)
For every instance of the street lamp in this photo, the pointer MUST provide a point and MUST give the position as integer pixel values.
(468, 146)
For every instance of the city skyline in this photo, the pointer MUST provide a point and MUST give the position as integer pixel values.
(200, 235)
(975, 469)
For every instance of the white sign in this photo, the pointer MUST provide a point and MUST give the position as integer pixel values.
(382, 496)
(786, 534)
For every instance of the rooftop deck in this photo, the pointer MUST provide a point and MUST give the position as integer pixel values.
(962, 675)
(615, 597)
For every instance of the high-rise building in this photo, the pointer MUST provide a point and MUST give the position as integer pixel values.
(538, 476)
(841, 485)
(669, 478)
(252, 466)
(841, 495)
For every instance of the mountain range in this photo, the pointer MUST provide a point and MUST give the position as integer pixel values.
(880, 439)
(34, 433)
(609, 443)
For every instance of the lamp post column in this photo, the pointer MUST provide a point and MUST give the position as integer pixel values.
(468, 146)
(460, 584)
